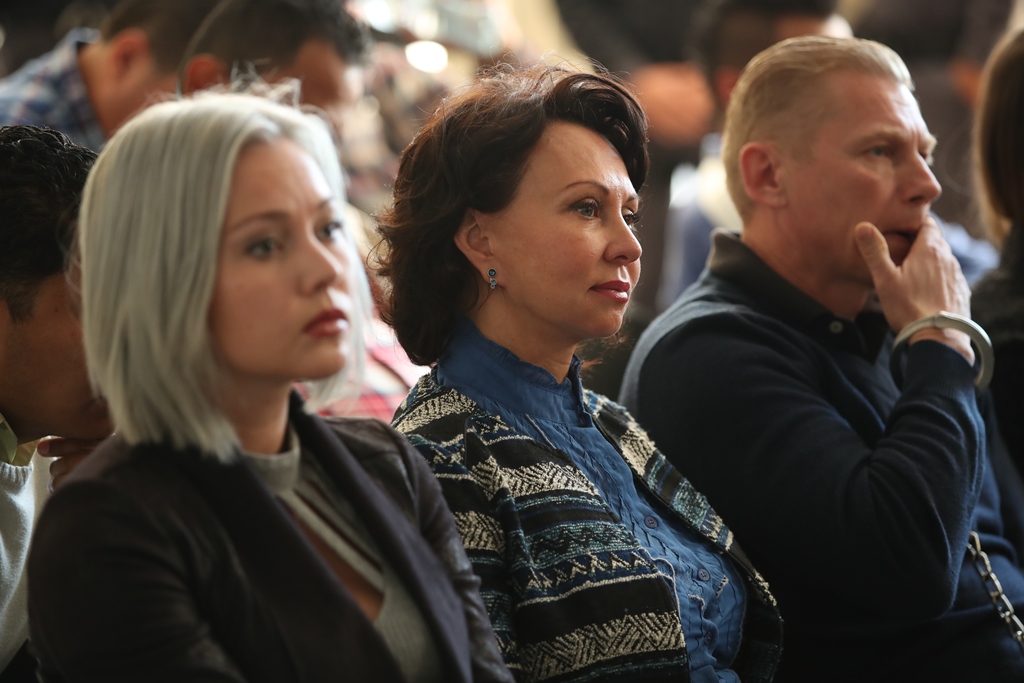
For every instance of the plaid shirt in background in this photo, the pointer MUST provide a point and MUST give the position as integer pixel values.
(49, 92)
(389, 376)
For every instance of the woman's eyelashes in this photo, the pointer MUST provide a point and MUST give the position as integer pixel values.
(261, 247)
(332, 231)
(588, 208)
(264, 245)
(591, 208)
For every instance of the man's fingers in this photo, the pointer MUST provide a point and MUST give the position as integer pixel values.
(62, 467)
(67, 454)
(57, 447)
(874, 250)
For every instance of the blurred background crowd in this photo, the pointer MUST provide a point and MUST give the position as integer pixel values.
(424, 48)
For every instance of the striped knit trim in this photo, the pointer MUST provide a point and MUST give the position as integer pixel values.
(578, 650)
(558, 575)
(531, 577)
(429, 403)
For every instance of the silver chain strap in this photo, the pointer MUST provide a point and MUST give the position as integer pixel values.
(995, 589)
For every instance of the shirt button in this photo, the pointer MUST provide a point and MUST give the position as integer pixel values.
(703, 574)
(709, 638)
(835, 327)
(651, 522)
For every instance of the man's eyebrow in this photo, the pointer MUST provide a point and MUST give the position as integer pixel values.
(899, 134)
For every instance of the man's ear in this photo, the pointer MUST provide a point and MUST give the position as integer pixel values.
(128, 51)
(201, 72)
(473, 241)
(760, 168)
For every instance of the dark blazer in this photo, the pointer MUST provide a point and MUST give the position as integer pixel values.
(156, 564)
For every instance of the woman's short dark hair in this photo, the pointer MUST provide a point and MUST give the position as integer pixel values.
(471, 154)
(999, 139)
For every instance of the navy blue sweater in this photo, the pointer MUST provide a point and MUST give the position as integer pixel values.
(854, 496)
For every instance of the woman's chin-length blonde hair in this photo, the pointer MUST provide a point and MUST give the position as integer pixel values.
(150, 229)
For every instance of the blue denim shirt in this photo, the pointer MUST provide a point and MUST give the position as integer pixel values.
(710, 590)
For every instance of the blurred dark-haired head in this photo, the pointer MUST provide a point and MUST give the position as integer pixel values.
(42, 174)
(46, 387)
(729, 33)
(315, 42)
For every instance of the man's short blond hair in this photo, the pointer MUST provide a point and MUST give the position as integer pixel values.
(779, 97)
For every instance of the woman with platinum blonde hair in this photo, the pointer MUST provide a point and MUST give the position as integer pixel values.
(224, 533)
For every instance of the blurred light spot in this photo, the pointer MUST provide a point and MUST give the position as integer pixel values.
(427, 55)
(378, 15)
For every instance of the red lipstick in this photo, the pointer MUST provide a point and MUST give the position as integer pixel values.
(330, 322)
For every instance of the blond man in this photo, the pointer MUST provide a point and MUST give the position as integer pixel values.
(874, 500)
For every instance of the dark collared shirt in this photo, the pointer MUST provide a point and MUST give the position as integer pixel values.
(854, 496)
(735, 261)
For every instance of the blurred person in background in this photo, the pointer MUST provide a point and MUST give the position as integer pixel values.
(28, 29)
(44, 388)
(91, 83)
(998, 301)
(315, 42)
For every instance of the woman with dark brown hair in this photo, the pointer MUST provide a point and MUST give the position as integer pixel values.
(997, 302)
(511, 241)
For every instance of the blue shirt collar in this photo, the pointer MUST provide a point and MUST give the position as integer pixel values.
(479, 367)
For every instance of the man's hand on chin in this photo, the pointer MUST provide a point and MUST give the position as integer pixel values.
(67, 454)
(926, 282)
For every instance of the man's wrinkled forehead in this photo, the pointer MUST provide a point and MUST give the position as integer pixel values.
(825, 96)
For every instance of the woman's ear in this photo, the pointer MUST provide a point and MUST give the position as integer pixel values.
(473, 241)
